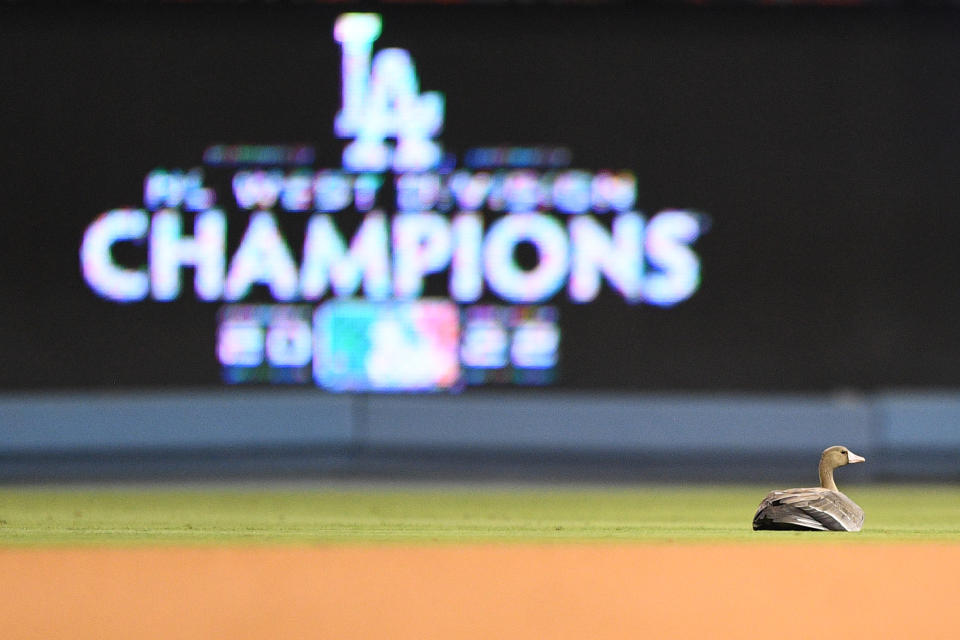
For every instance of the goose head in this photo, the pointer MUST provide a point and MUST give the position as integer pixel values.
(838, 456)
(830, 459)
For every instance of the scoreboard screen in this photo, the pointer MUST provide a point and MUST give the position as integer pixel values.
(427, 199)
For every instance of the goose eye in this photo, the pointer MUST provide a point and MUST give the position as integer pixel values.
(844, 452)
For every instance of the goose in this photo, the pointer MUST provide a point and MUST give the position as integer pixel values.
(821, 508)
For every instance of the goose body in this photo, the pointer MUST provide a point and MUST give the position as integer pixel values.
(813, 509)
(822, 508)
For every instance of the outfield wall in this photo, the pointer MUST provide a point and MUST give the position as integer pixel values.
(225, 433)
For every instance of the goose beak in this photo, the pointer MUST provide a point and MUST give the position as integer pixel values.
(852, 457)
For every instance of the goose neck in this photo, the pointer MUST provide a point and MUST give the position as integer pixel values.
(826, 476)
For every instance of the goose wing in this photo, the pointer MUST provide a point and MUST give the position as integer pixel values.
(808, 509)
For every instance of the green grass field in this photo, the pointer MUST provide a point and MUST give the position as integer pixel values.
(197, 515)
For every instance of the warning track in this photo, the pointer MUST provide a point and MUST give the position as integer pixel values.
(479, 591)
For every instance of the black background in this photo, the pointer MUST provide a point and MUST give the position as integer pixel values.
(823, 144)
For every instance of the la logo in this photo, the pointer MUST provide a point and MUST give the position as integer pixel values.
(381, 100)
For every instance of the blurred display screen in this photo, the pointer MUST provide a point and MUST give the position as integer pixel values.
(427, 199)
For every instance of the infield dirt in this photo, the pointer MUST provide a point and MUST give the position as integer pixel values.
(482, 591)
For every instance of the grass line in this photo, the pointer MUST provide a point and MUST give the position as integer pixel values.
(30, 516)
